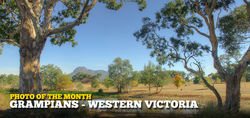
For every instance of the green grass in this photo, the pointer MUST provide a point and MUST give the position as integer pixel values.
(8, 91)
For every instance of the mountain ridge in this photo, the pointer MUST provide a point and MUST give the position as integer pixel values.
(89, 71)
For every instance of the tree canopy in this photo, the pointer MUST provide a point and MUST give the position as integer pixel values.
(50, 75)
(186, 18)
(119, 72)
(49, 20)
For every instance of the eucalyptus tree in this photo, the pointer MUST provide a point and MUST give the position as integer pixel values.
(148, 75)
(154, 76)
(187, 17)
(29, 23)
(120, 72)
(50, 75)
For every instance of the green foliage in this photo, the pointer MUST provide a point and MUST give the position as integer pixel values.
(79, 86)
(10, 16)
(100, 90)
(64, 82)
(229, 60)
(148, 75)
(162, 77)
(113, 4)
(154, 76)
(7, 24)
(134, 80)
(173, 73)
(10, 80)
(215, 76)
(167, 51)
(181, 17)
(196, 80)
(133, 83)
(218, 81)
(234, 29)
(107, 82)
(119, 72)
(184, 82)
(80, 75)
(95, 83)
(50, 74)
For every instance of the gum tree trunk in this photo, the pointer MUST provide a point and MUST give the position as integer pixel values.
(232, 103)
(31, 46)
(30, 81)
(33, 34)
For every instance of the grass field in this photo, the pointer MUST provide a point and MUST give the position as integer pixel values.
(169, 92)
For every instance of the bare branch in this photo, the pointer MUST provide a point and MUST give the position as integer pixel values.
(69, 26)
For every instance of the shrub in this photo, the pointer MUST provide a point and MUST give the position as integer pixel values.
(177, 81)
(64, 82)
(100, 90)
(218, 80)
(107, 82)
(49, 75)
(95, 83)
(196, 80)
(79, 86)
(133, 83)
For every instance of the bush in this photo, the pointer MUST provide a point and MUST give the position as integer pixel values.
(177, 81)
(196, 80)
(64, 82)
(79, 86)
(49, 75)
(133, 83)
(10, 80)
(107, 82)
(218, 80)
(95, 83)
(100, 90)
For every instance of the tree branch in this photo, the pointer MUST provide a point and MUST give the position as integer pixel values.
(48, 14)
(11, 41)
(199, 12)
(243, 63)
(33, 16)
(197, 30)
(245, 1)
(212, 88)
(69, 26)
(12, 14)
(212, 7)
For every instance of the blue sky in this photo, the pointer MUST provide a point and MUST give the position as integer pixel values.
(108, 34)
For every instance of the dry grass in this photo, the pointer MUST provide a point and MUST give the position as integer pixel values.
(169, 92)
(189, 91)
